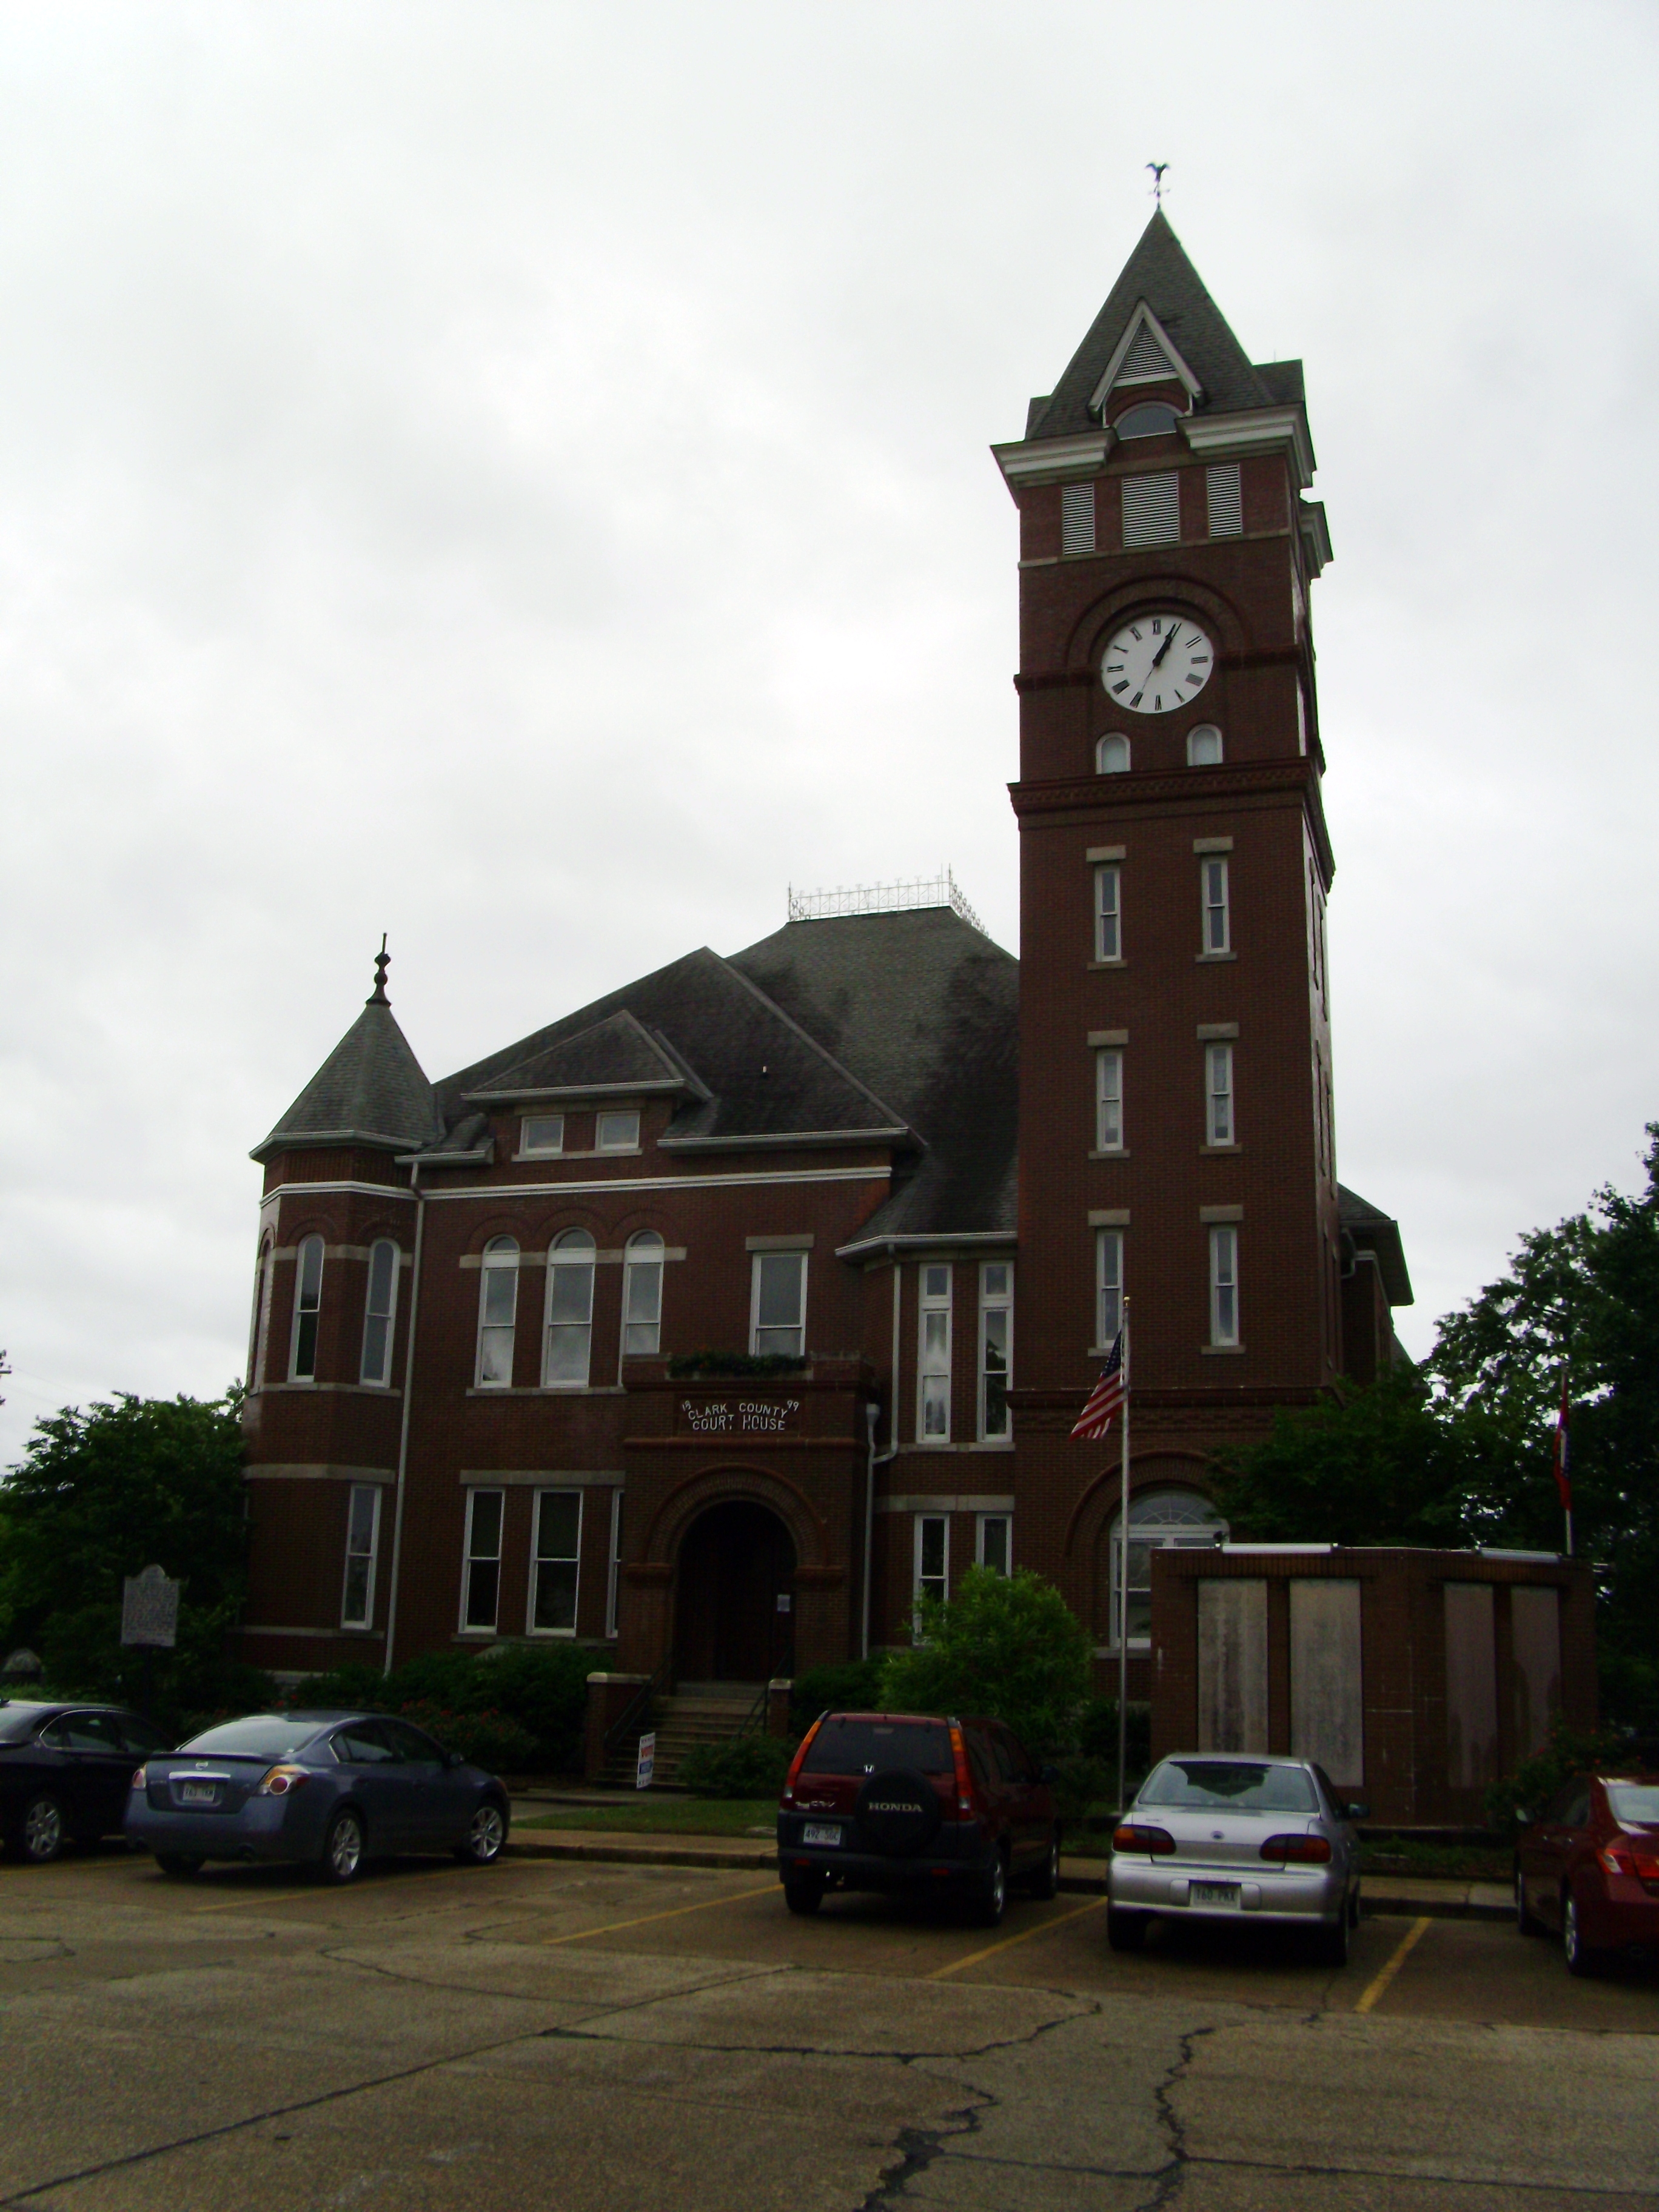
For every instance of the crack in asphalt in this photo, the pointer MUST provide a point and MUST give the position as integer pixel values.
(918, 2148)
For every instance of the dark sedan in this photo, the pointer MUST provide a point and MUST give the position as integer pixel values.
(63, 1773)
(324, 1789)
(1590, 1867)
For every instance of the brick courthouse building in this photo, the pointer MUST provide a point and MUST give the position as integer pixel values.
(875, 1144)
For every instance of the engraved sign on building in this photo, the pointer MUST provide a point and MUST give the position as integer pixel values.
(149, 1609)
(739, 1416)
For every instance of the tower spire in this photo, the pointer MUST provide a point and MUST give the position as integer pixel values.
(377, 997)
(1157, 169)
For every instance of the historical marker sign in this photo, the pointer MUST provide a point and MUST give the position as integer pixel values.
(149, 1609)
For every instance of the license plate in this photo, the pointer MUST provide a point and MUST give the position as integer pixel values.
(820, 1832)
(1214, 1892)
(198, 1793)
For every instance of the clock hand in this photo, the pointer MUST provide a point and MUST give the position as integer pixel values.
(1158, 658)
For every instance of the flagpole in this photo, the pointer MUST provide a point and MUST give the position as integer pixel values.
(1123, 1586)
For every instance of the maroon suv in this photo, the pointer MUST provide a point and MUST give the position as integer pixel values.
(908, 1801)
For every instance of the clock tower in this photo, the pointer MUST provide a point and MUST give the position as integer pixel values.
(1177, 1142)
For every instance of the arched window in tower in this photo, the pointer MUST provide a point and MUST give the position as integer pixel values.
(1112, 755)
(1162, 1520)
(307, 1304)
(642, 1293)
(1204, 746)
(569, 1311)
(261, 1323)
(380, 1309)
(498, 1307)
(1151, 419)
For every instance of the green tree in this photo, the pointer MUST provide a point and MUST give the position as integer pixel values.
(98, 1495)
(1007, 1646)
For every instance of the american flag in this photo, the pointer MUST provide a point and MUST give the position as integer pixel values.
(1111, 1392)
(1563, 1479)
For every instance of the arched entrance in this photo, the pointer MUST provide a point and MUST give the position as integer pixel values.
(737, 1561)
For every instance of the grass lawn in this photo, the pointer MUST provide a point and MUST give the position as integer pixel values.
(662, 1816)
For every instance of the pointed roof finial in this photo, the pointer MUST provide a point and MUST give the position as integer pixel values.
(377, 997)
(1157, 169)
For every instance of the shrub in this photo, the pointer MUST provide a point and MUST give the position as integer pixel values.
(1081, 1782)
(748, 1766)
(540, 1690)
(854, 1686)
(1522, 1796)
(1097, 1733)
(488, 1739)
(758, 1364)
(1007, 1646)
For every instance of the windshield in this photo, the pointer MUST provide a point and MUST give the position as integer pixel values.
(1634, 1803)
(19, 1722)
(1235, 1785)
(264, 1735)
(853, 1745)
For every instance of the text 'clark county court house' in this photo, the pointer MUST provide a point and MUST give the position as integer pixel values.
(897, 1182)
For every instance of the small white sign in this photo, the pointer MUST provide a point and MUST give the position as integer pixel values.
(149, 1609)
(783, 1600)
(647, 1761)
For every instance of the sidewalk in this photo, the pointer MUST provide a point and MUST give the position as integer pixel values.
(1388, 1894)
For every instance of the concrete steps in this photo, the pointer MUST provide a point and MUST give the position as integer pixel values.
(682, 1723)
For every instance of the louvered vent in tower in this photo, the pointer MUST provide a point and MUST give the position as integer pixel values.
(1077, 518)
(1226, 501)
(1145, 360)
(1152, 509)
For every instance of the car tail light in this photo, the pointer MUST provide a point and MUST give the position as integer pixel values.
(1131, 1836)
(964, 1786)
(1310, 1849)
(805, 1745)
(1621, 1855)
(281, 1780)
(140, 1778)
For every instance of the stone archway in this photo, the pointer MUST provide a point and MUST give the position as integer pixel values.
(736, 1562)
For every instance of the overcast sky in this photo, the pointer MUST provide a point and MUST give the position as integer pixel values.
(516, 477)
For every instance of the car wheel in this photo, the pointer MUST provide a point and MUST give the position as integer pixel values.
(993, 1901)
(43, 1831)
(1334, 1939)
(1354, 1906)
(1582, 1959)
(1125, 1931)
(179, 1864)
(1526, 1919)
(1045, 1882)
(342, 1847)
(486, 1835)
(804, 1897)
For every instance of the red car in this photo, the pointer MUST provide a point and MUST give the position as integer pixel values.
(1590, 1867)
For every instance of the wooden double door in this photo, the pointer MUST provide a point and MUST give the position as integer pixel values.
(734, 1609)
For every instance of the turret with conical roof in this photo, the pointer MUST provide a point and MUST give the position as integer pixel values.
(371, 1091)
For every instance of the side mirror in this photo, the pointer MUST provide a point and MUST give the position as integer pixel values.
(1048, 1777)
(454, 1758)
(1360, 1810)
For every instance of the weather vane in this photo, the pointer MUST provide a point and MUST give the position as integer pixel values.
(1157, 169)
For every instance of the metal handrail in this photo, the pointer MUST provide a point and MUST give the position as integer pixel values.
(636, 1708)
(755, 1719)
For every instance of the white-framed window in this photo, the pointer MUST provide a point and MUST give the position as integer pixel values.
(555, 1564)
(542, 1133)
(1218, 926)
(498, 1307)
(613, 1578)
(380, 1311)
(1223, 1283)
(618, 1132)
(996, 1348)
(1204, 748)
(933, 1353)
(1226, 500)
(643, 1292)
(1112, 754)
(1109, 1285)
(993, 1542)
(264, 1283)
(1109, 912)
(1077, 518)
(569, 1346)
(362, 1544)
(1108, 1100)
(1159, 1521)
(481, 1566)
(1219, 1119)
(307, 1305)
(932, 1555)
(777, 1307)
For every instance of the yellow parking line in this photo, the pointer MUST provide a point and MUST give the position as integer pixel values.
(1403, 1950)
(1009, 1941)
(703, 1904)
(318, 1893)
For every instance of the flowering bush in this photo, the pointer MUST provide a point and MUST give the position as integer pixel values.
(489, 1740)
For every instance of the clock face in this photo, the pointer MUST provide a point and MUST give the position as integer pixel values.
(1156, 663)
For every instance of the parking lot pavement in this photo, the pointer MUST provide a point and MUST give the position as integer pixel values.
(609, 2036)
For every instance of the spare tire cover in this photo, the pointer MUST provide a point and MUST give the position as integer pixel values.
(897, 1812)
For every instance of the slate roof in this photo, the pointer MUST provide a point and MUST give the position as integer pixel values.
(1374, 1231)
(614, 1054)
(371, 1090)
(1159, 272)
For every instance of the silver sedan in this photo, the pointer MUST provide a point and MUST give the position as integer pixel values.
(1215, 1836)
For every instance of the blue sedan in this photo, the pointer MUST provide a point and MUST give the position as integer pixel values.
(323, 1789)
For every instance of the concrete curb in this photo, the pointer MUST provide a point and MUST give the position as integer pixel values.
(1418, 1900)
